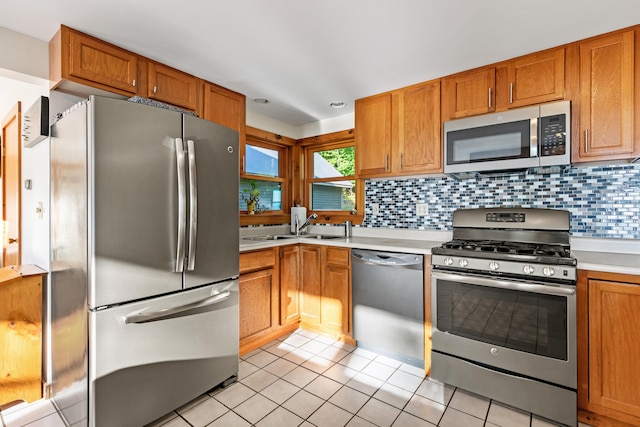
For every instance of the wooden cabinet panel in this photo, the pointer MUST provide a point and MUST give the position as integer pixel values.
(257, 260)
(80, 58)
(310, 285)
(289, 284)
(608, 312)
(335, 299)
(469, 93)
(419, 138)
(20, 336)
(614, 345)
(224, 107)
(398, 133)
(536, 78)
(256, 302)
(373, 135)
(607, 75)
(174, 87)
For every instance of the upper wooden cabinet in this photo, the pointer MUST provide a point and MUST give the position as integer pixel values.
(530, 79)
(79, 58)
(225, 107)
(398, 132)
(469, 93)
(608, 99)
(166, 84)
(373, 135)
(536, 78)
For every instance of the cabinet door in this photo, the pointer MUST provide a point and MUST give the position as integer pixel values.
(310, 285)
(256, 302)
(172, 86)
(101, 63)
(289, 284)
(469, 93)
(373, 135)
(335, 299)
(536, 78)
(614, 345)
(336, 291)
(224, 107)
(607, 98)
(419, 138)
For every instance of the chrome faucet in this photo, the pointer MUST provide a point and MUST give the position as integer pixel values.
(299, 227)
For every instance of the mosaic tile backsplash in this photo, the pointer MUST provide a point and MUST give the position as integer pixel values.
(604, 201)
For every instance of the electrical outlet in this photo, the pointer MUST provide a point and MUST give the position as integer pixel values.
(422, 209)
(375, 208)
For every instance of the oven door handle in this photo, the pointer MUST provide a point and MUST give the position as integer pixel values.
(505, 284)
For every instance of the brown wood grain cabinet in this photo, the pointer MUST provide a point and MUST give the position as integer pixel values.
(289, 284)
(79, 58)
(398, 133)
(608, 99)
(310, 286)
(325, 291)
(166, 84)
(527, 80)
(335, 299)
(20, 333)
(536, 78)
(259, 301)
(469, 93)
(373, 135)
(608, 348)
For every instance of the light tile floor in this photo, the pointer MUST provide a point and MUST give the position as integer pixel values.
(305, 379)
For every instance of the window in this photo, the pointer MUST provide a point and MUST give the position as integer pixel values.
(333, 190)
(263, 178)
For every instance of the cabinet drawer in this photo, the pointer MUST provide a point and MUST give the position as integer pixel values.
(338, 256)
(257, 259)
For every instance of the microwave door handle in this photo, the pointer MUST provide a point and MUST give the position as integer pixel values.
(533, 138)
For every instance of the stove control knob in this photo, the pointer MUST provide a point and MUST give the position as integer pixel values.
(448, 261)
(494, 266)
(463, 262)
(548, 271)
(528, 269)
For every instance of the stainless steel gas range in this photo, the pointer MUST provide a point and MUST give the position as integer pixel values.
(504, 309)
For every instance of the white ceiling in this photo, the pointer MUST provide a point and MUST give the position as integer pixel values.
(304, 54)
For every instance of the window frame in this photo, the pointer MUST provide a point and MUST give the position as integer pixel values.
(326, 142)
(283, 146)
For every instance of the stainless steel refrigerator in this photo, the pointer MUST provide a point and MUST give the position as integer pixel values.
(144, 283)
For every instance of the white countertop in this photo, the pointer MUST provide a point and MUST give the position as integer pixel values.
(607, 255)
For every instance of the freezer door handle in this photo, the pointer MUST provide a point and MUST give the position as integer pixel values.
(182, 205)
(207, 304)
(193, 205)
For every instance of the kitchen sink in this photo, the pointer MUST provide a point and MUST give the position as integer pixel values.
(291, 236)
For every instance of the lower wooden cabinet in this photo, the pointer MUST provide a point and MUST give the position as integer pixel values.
(608, 349)
(325, 290)
(21, 334)
(289, 284)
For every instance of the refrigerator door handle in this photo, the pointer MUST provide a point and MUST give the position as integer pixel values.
(182, 205)
(207, 304)
(193, 205)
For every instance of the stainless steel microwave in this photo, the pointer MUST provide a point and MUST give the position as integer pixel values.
(522, 138)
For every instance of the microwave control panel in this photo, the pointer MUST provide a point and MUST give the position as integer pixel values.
(553, 135)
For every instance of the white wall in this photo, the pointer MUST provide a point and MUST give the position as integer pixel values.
(321, 127)
(23, 54)
(35, 166)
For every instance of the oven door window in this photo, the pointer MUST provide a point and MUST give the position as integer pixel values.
(488, 143)
(524, 321)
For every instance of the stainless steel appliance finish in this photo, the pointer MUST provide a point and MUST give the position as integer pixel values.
(144, 286)
(388, 304)
(504, 309)
(522, 138)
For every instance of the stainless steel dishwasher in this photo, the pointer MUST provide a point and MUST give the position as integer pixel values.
(388, 304)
